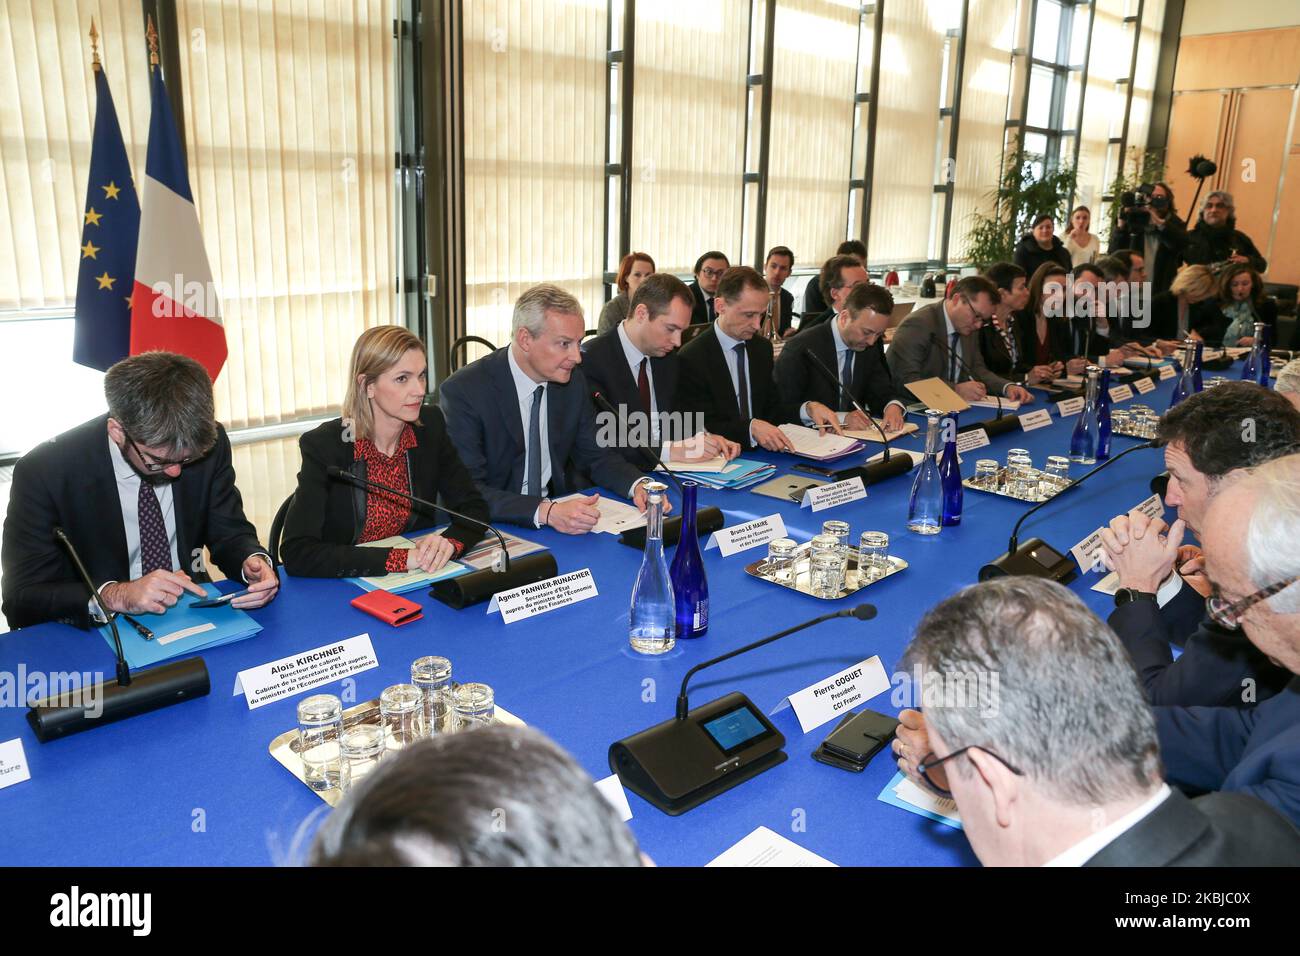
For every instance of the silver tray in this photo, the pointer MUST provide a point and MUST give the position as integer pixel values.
(1130, 432)
(854, 580)
(284, 748)
(999, 486)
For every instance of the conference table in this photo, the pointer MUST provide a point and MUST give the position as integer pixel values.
(194, 784)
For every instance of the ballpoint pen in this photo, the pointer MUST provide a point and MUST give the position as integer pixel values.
(140, 628)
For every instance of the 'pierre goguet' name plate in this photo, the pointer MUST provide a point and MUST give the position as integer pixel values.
(293, 675)
(533, 599)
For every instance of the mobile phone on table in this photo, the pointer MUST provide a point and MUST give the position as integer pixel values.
(220, 600)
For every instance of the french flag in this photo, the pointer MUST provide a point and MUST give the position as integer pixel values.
(174, 303)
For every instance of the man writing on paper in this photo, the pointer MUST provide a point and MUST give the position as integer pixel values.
(635, 366)
(935, 341)
(140, 492)
(1057, 763)
(850, 346)
(519, 415)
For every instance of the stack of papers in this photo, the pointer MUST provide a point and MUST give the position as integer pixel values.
(903, 793)
(740, 473)
(717, 463)
(1144, 362)
(767, 848)
(873, 434)
(398, 582)
(811, 443)
(1007, 405)
(181, 630)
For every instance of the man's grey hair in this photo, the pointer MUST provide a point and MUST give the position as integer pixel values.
(532, 306)
(1070, 712)
(1224, 195)
(163, 401)
(1288, 380)
(1274, 529)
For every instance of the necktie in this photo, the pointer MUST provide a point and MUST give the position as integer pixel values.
(952, 357)
(742, 382)
(643, 385)
(709, 301)
(846, 378)
(535, 443)
(155, 552)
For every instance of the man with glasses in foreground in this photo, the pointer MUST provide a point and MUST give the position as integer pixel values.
(140, 492)
(1058, 763)
(1252, 560)
(940, 340)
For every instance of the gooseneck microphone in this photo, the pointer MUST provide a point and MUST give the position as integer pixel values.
(83, 708)
(966, 368)
(1035, 557)
(863, 612)
(467, 589)
(603, 404)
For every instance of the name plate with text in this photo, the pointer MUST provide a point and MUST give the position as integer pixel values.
(1036, 419)
(292, 675)
(969, 441)
(1121, 393)
(1167, 372)
(1070, 406)
(751, 534)
(1145, 385)
(532, 599)
(837, 694)
(837, 493)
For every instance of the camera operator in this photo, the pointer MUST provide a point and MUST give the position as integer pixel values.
(1216, 241)
(1148, 224)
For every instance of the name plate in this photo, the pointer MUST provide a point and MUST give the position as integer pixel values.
(1070, 406)
(969, 441)
(1086, 551)
(751, 534)
(1037, 419)
(611, 788)
(530, 600)
(13, 763)
(837, 493)
(837, 694)
(1167, 372)
(1144, 385)
(289, 676)
(1121, 393)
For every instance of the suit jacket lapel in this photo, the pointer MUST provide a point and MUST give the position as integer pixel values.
(102, 502)
(511, 415)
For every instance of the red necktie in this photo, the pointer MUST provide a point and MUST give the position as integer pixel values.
(643, 385)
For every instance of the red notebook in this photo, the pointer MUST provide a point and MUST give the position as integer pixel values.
(388, 607)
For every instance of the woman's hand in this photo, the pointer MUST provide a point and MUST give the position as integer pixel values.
(431, 553)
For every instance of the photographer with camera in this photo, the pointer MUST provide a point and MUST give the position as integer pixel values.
(1148, 224)
(1216, 241)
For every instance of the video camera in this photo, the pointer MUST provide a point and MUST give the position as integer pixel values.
(1136, 206)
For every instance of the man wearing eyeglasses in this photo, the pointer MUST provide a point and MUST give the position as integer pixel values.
(1210, 440)
(1216, 240)
(1252, 559)
(708, 271)
(1058, 762)
(940, 341)
(140, 492)
(850, 348)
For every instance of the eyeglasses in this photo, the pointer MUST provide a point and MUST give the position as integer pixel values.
(152, 463)
(713, 273)
(929, 763)
(983, 319)
(1228, 614)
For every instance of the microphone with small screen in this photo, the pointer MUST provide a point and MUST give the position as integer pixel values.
(707, 520)
(1036, 558)
(699, 753)
(469, 589)
(874, 472)
(82, 708)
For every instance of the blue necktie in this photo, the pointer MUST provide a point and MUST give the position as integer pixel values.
(535, 444)
(742, 382)
(155, 550)
(846, 378)
(952, 357)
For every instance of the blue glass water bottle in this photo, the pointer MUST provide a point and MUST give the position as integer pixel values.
(1197, 366)
(690, 585)
(950, 473)
(1186, 384)
(1103, 415)
(1263, 363)
(925, 509)
(1086, 435)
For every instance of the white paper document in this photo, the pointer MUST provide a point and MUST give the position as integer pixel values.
(943, 807)
(812, 443)
(615, 516)
(1007, 404)
(766, 847)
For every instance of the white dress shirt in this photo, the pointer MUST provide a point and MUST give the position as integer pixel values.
(729, 353)
(840, 349)
(1091, 845)
(634, 358)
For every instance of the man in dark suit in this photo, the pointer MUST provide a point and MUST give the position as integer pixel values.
(1254, 568)
(140, 492)
(930, 342)
(840, 273)
(850, 347)
(708, 271)
(1154, 606)
(1052, 758)
(521, 415)
(635, 366)
(815, 302)
(776, 269)
(726, 373)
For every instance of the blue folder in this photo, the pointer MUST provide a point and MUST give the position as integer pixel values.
(228, 625)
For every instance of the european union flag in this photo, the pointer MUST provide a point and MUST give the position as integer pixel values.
(109, 233)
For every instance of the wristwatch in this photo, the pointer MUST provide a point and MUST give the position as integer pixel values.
(1129, 595)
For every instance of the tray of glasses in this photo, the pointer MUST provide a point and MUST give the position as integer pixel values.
(284, 748)
(1132, 427)
(999, 484)
(854, 577)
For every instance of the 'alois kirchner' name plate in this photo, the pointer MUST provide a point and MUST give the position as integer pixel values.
(751, 534)
(293, 675)
(837, 694)
(533, 599)
(821, 497)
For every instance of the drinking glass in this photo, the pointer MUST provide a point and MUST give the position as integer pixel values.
(433, 676)
(360, 748)
(986, 473)
(320, 717)
(474, 706)
(1056, 476)
(826, 572)
(781, 559)
(873, 554)
(401, 711)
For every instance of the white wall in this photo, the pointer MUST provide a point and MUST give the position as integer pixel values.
(1218, 16)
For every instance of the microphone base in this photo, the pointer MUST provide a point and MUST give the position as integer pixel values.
(479, 586)
(993, 426)
(899, 463)
(707, 521)
(71, 713)
(1035, 558)
(677, 765)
